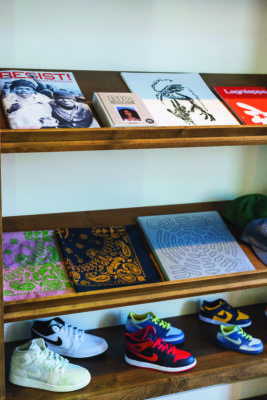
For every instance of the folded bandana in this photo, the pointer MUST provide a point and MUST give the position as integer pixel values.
(106, 257)
(33, 266)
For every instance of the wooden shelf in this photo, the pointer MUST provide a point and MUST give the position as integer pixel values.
(55, 140)
(113, 379)
(109, 298)
(59, 140)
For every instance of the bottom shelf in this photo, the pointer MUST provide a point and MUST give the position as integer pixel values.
(113, 379)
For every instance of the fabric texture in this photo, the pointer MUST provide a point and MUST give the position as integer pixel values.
(33, 266)
(244, 209)
(255, 234)
(106, 257)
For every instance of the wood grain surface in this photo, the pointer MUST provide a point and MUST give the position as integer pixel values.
(113, 379)
(125, 296)
(54, 140)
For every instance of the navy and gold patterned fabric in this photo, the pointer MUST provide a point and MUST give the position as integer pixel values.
(106, 257)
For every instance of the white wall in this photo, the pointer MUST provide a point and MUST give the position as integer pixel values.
(166, 35)
(143, 35)
(77, 181)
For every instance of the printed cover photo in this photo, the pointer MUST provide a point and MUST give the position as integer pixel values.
(37, 99)
(178, 99)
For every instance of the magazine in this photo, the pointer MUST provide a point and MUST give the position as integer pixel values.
(178, 99)
(121, 109)
(248, 103)
(38, 99)
(193, 245)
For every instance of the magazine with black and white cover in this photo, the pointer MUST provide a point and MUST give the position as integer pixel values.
(41, 99)
(178, 99)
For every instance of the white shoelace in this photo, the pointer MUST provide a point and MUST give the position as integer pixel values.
(74, 332)
(52, 360)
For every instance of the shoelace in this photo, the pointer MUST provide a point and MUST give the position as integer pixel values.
(163, 346)
(160, 322)
(70, 330)
(244, 334)
(52, 359)
(228, 306)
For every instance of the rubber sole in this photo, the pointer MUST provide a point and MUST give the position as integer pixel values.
(26, 382)
(215, 322)
(230, 346)
(142, 364)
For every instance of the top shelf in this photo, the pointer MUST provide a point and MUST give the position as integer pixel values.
(54, 140)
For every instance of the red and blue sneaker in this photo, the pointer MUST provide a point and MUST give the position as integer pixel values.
(234, 338)
(163, 329)
(219, 312)
(145, 349)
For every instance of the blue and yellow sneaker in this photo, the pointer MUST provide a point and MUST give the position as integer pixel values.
(219, 312)
(234, 338)
(163, 329)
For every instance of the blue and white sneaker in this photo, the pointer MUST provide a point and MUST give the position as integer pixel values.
(234, 338)
(163, 329)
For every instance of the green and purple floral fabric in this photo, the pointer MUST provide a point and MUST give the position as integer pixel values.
(33, 266)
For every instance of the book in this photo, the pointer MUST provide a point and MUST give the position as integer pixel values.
(106, 257)
(249, 104)
(193, 245)
(122, 109)
(38, 100)
(178, 99)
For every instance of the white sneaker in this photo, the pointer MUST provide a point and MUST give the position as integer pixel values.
(35, 366)
(68, 340)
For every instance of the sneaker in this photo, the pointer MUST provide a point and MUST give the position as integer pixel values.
(68, 340)
(234, 338)
(145, 349)
(163, 329)
(34, 365)
(219, 312)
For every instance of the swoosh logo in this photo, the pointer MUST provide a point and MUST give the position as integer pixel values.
(56, 343)
(35, 374)
(153, 358)
(239, 341)
(223, 316)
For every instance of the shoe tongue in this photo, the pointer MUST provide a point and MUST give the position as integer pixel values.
(149, 333)
(58, 322)
(37, 344)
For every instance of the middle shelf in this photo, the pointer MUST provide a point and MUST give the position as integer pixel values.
(124, 296)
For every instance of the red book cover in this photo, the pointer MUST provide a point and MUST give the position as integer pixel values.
(249, 104)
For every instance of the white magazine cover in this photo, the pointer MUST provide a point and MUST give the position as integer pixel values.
(41, 99)
(121, 109)
(193, 245)
(178, 99)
